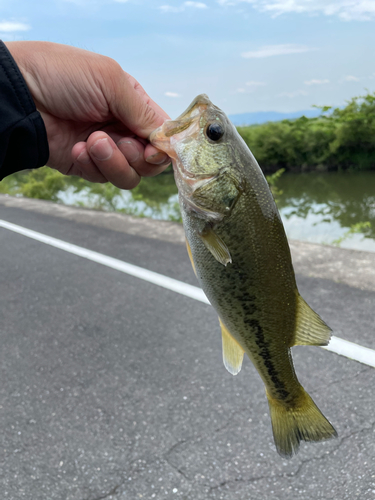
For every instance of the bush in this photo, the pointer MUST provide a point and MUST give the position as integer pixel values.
(341, 138)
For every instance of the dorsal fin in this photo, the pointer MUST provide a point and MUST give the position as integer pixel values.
(310, 328)
(232, 351)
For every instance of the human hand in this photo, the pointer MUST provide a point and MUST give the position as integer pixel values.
(97, 116)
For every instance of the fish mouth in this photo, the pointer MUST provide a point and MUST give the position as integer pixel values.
(164, 137)
(181, 126)
(196, 107)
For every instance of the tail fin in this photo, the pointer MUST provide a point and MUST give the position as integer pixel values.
(291, 425)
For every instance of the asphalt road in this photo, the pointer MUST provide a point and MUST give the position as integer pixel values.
(113, 388)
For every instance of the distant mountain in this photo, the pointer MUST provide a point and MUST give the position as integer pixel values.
(270, 116)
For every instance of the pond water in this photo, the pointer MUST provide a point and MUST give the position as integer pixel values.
(330, 208)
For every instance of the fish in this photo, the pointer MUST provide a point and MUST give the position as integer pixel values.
(240, 254)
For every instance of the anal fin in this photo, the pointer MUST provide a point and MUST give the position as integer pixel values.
(310, 328)
(216, 246)
(232, 351)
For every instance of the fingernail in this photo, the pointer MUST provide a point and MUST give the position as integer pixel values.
(83, 157)
(101, 149)
(157, 159)
(129, 150)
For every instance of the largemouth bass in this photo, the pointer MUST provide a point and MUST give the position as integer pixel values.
(241, 257)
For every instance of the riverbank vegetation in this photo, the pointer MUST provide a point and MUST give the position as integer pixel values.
(149, 199)
(339, 139)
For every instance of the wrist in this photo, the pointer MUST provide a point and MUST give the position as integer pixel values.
(21, 56)
(19, 53)
(31, 59)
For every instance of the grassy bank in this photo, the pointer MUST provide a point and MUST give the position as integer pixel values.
(151, 195)
(340, 139)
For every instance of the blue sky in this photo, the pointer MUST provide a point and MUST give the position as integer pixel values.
(247, 55)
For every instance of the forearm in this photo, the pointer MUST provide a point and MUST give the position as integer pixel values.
(23, 139)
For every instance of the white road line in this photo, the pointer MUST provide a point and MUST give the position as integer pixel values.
(339, 346)
(157, 279)
(352, 351)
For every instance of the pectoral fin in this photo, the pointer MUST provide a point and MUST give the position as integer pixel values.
(310, 328)
(216, 246)
(232, 351)
(190, 256)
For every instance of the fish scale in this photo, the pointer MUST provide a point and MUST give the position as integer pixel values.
(241, 257)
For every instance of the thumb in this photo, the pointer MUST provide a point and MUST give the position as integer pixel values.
(135, 108)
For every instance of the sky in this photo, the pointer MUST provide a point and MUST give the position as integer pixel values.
(246, 55)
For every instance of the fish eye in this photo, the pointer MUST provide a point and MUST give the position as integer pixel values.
(215, 131)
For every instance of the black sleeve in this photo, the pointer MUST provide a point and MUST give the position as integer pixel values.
(23, 137)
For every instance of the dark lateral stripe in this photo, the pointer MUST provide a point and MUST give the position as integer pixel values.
(267, 359)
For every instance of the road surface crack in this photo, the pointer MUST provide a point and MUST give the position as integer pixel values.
(329, 452)
(239, 480)
(175, 467)
(111, 493)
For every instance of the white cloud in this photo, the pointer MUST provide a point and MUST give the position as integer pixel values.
(233, 2)
(295, 93)
(169, 8)
(276, 50)
(12, 26)
(316, 82)
(351, 78)
(91, 3)
(172, 94)
(254, 84)
(347, 10)
(182, 7)
(197, 5)
(251, 86)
